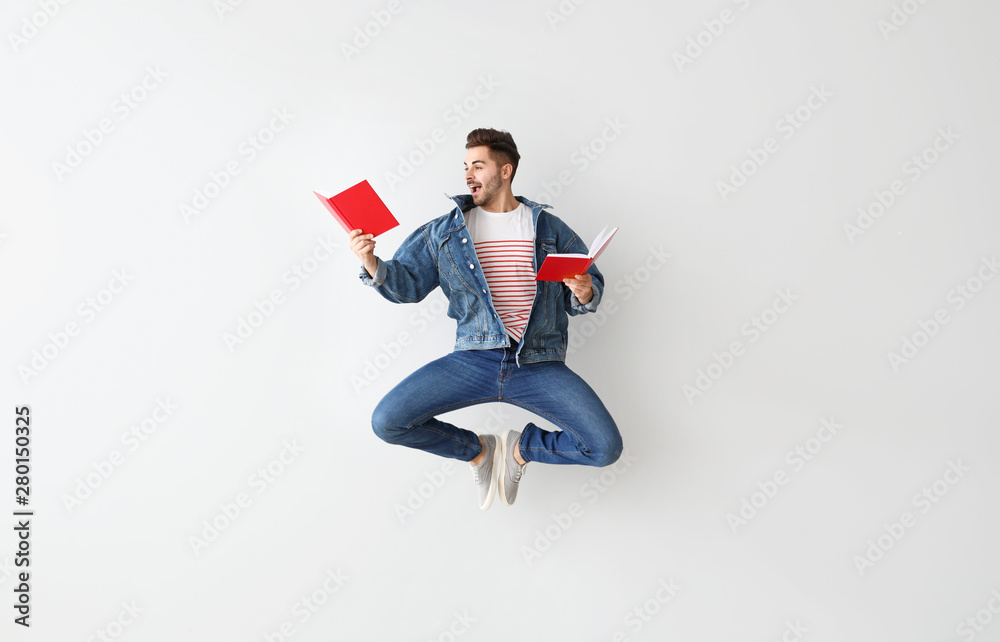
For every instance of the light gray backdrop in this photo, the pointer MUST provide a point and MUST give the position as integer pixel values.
(798, 340)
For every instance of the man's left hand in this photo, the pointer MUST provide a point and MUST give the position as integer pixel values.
(581, 287)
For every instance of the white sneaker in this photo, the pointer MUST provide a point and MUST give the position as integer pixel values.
(485, 473)
(510, 471)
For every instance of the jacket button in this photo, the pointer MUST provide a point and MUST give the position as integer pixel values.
(465, 240)
(484, 291)
(472, 267)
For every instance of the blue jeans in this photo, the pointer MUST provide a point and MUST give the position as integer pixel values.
(406, 415)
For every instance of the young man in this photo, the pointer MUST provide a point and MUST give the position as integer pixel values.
(512, 330)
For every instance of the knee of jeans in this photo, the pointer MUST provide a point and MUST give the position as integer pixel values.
(609, 454)
(384, 426)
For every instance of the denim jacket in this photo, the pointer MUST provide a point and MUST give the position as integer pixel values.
(441, 252)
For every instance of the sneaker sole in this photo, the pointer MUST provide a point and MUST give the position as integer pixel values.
(502, 471)
(494, 478)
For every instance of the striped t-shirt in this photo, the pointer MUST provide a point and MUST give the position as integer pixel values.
(504, 243)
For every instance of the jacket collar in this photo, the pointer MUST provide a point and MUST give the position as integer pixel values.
(464, 203)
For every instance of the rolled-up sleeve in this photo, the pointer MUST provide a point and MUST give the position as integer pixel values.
(573, 305)
(410, 275)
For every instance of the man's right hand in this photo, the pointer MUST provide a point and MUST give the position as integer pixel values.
(363, 245)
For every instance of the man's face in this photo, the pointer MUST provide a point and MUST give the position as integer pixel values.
(482, 175)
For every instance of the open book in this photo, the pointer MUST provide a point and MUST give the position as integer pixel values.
(557, 267)
(359, 207)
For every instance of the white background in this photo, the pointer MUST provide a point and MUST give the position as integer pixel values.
(311, 372)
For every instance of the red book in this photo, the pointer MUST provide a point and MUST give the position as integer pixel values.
(359, 207)
(557, 267)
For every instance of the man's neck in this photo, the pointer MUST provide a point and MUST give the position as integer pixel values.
(502, 203)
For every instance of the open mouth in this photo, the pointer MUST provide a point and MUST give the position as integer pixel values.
(475, 189)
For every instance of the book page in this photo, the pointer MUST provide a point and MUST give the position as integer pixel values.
(597, 242)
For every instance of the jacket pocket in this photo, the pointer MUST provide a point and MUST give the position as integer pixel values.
(548, 297)
(446, 264)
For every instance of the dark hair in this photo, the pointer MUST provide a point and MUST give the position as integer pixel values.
(501, 146)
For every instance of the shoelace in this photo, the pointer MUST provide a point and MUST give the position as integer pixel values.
(518, 471)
